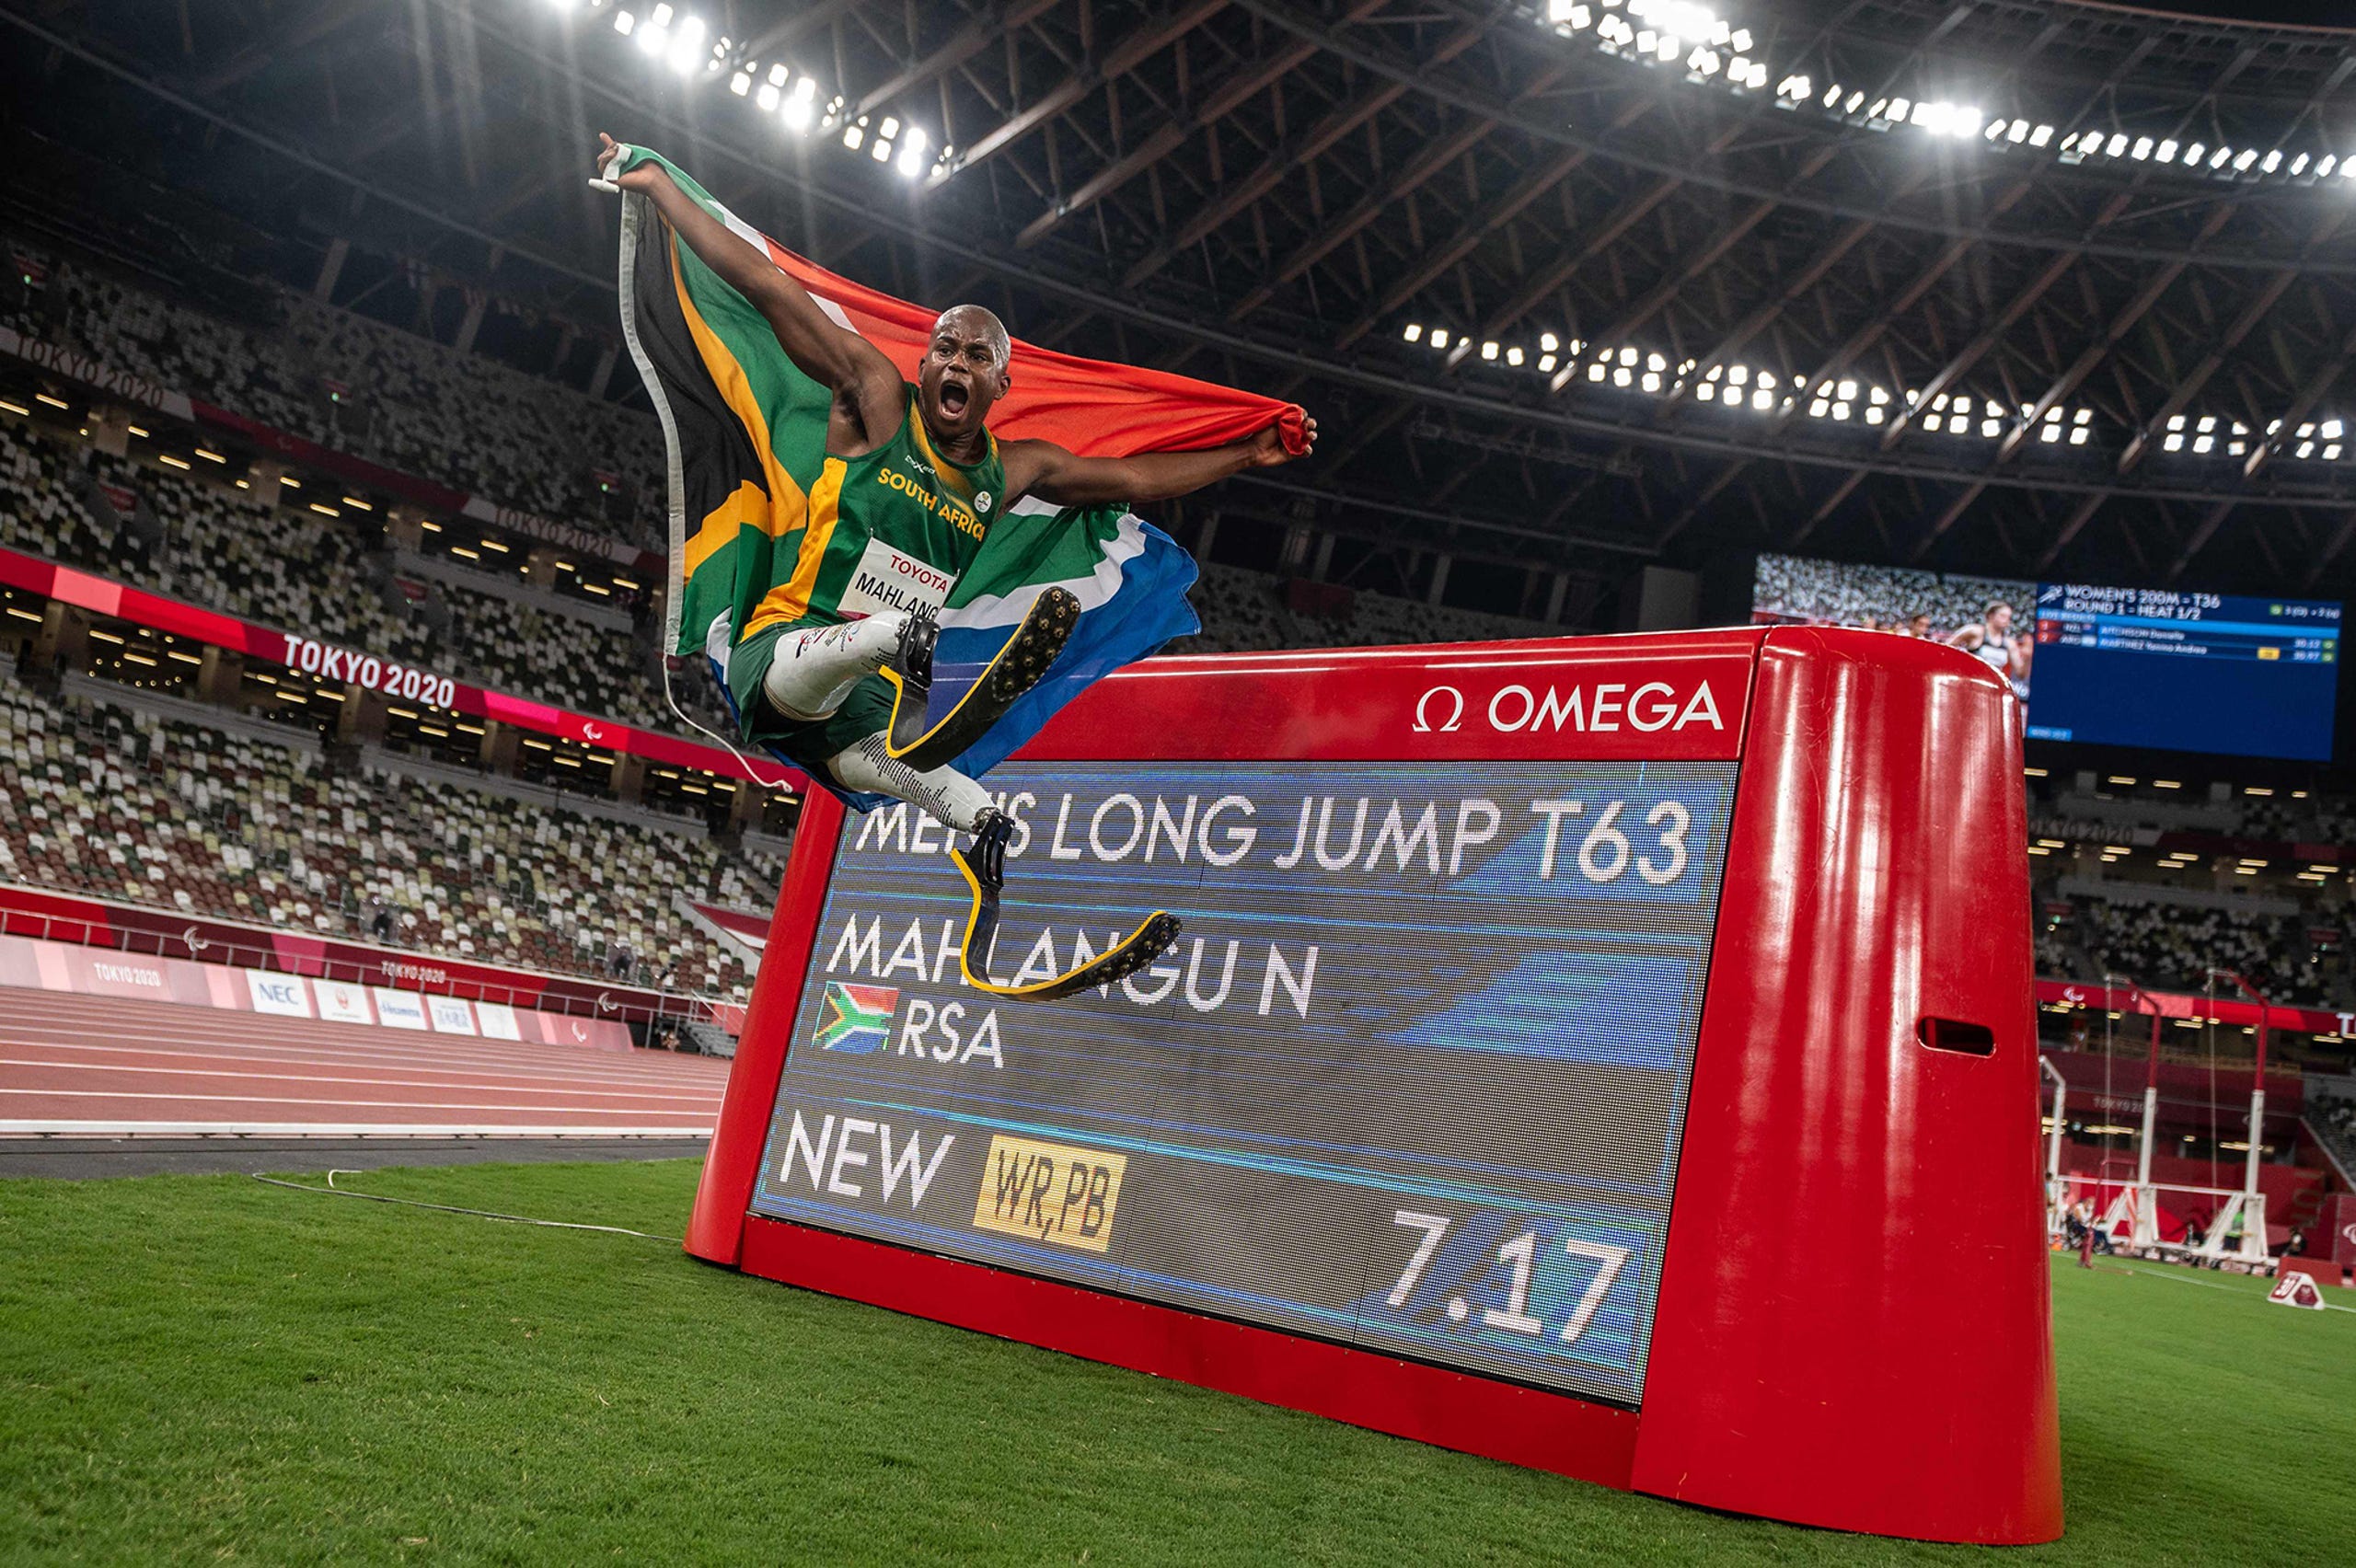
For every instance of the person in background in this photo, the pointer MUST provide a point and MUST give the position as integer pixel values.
(1991, 641)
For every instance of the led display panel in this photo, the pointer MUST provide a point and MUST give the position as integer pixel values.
(2203, 671)
(2242, 676)
(1414, 1079)
(1986, 616)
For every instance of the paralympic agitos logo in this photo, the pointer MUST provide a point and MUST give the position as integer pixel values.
(1602, 707)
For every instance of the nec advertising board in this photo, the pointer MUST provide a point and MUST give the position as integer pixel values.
(35, 964)
(283, 994)
(1466, 1106)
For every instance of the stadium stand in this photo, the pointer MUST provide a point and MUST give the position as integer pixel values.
(2172, 948)
(289, 569)
(101, 799)
(2163, 883)
(462, 420)
(2056, 955)
(2331, 1114)
(1888, 597)
(204, 542)
(359, 386)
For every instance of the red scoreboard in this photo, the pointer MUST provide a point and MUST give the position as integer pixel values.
(1614, 1057)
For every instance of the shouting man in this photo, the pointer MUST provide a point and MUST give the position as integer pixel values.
(820, 673)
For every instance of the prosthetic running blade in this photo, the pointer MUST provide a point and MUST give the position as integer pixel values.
(923, 744)
(984, 869)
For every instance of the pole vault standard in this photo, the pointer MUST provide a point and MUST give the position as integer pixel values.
(2135, 1207)
(2257, 1078)
(2138, 1207)
(2151, 1084)
(2054, 1136)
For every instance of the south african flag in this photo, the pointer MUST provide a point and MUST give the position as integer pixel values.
(855, 1019)
(747, 435)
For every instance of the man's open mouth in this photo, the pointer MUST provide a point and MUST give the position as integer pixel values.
(954, 396)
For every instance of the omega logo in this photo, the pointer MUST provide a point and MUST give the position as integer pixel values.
(1455, 716)
(1604, 707)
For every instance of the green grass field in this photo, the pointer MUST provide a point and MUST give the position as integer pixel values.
(206, 1369)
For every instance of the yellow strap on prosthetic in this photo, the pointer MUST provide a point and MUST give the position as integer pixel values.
(1157, 929)
(1044, 630)
(893, 744)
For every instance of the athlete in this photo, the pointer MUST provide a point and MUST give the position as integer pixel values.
(1991, 641)
(826, 673)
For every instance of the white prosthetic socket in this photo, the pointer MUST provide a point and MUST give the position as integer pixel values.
(813, 670)
(948, 794)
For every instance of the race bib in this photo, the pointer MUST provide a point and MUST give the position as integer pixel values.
(886, 580)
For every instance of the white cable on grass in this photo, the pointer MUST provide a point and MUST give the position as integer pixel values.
(334, 1190)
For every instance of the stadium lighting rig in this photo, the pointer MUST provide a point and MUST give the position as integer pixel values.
(1755, 389)
(1678, 34)
(1656, 33)
(1850, 399)
(682, 42)
(1711, 50)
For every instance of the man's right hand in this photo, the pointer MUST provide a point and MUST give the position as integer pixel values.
(644, 178)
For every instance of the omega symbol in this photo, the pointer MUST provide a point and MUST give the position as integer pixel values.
(1455, 717)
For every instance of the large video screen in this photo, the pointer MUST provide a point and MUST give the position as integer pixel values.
(2133, 666)
(1987, 616)
(2113, 666)
(1412, 1079)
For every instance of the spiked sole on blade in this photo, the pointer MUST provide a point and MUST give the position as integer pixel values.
(1156, 935)
(1020, 665)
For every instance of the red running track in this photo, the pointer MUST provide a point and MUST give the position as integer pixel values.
(101, 1066)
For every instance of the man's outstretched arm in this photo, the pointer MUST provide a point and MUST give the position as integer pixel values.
(1065, 478)
(862, 380)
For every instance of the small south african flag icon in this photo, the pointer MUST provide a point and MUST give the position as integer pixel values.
(856, 1020)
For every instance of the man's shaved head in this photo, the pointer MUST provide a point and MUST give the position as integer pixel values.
(979, 319)
(967, 367)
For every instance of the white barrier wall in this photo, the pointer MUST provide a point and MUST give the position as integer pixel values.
(32, 963)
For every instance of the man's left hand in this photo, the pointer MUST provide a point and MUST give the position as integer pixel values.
(1268, 445)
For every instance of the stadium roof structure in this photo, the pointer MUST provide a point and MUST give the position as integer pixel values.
(2033, 286)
